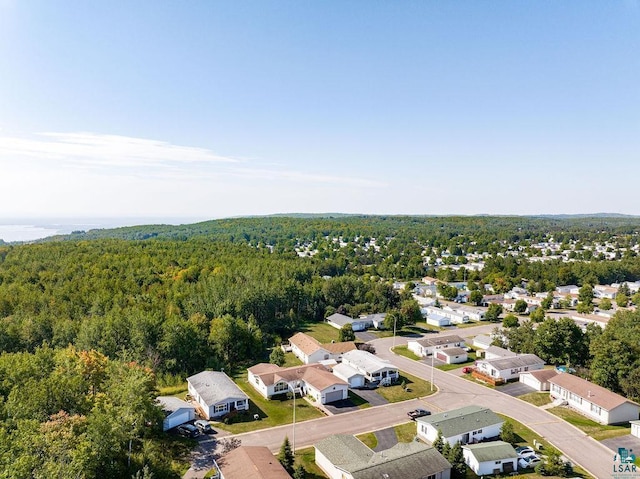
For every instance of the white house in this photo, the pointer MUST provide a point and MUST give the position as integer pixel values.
(469, 424)
(176, 411)
(490, 458)
(309, 350)
(351, 376)
(216, 394)
(454, 316)
(475, 314)
(308, 380)
(593, 401)
(604, 291)
(342, 456)
(376, 320)
(452, 355)
(538, 380)
(635, 428)
(427, 345)
(482, 341)
(509, 368)
(374, 369)
(338, 320)
(438, 320)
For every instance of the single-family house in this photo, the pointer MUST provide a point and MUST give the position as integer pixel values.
(216, 394)
(506, 369)
(428, 345)
(375, 320)
(309, 350)
(343, 456)
(475, 314)
(374, 369)
(604, 291)
(482, 341)
(635, 428)
(338, 320)
(176, 411)
(568, 289)
(454, 316)
(352, 377)
(452, 355)
(593, 401)
(495, 352)
(312, 380)
(251, 462)
(490, 458)
(538, 380)
(469, 424)
(437, 320)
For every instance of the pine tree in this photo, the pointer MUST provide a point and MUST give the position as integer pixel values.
(507, 434)
(439, 442)
(299, 472)
(456, 458)
(286, 455)
(446, 449)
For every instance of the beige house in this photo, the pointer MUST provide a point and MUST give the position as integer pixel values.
(593, 401)
(309, 350)
(251, 462)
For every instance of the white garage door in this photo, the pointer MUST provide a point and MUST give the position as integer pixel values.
(333, 396)
(177, 418)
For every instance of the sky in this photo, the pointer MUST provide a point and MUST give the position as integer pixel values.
(210, 109)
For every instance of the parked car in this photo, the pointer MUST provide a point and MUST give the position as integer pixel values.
(204, 426)
(525, 451)
(529, 461)
(416, 413)
(188, 430)
(467, 370)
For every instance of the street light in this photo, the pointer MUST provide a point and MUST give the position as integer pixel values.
(433, 354)
(395, 318)
(293, 442)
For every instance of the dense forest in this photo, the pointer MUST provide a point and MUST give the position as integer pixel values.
(92, 322)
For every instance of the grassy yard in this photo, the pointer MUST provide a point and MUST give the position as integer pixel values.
(323, 332)
(592, 428)
(406, 432)
(272, 412)
(306, 457)
(178, 391)
(369, 439)
(537, 399)
(291, 360)
(404, 351)
(358, 401)
(415, 388)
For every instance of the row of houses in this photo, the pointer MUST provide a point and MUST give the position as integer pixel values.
(338, 321)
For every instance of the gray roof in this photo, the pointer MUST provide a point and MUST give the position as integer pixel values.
(451, 351)
(413, 460)
(172, 404)
(440, 340)
(498, 351)
(374, 317)
(340, 319)
(519, 361)
(345, 370)
(483, 339)
(366, 361)
(459, 421)
(215, 386)
(492, 451)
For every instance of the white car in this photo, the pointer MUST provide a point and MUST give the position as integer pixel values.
(525, 451)
(529, 462)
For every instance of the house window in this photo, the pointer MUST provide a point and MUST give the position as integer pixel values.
(432, 476)
(220, 407)
(596, 409)
(479, 431)
(498, 462)
(281, 387)
(257, 380)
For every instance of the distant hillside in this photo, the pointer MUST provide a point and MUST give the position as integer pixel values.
(278, 229)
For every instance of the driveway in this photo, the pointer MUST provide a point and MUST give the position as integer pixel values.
(340, 407)
(365, 336)
(628, 441)
(371, 396)
(387, 438)
(515, 389)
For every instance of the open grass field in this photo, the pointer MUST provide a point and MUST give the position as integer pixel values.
(592, 428)
(323, 332)
(404, 351)
(306, 457)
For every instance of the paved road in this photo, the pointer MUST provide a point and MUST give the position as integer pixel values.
(453, 392)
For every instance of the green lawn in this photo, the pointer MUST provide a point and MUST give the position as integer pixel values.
(592, 428)
(415, 388)
(323, 332)
(406, 432)
(306, 457)
(369, 439)
(537, 399)
(291, 360)
(178, 391)
(404, 351)
(272, 412)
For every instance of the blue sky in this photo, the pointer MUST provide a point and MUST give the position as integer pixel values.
(207, 109)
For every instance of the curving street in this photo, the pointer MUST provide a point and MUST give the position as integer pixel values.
(453, 392)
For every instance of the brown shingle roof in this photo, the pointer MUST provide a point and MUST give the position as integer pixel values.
(591, 392)
(305, 343)
(252, 462)
(315, 375)
(339, 348)
(262, 368)
(543, 375)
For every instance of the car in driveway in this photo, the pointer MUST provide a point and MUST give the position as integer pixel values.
(416, 413)
(467, 370)
(204, 426)
(529, 462)
(525, 451)
(188, 430)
